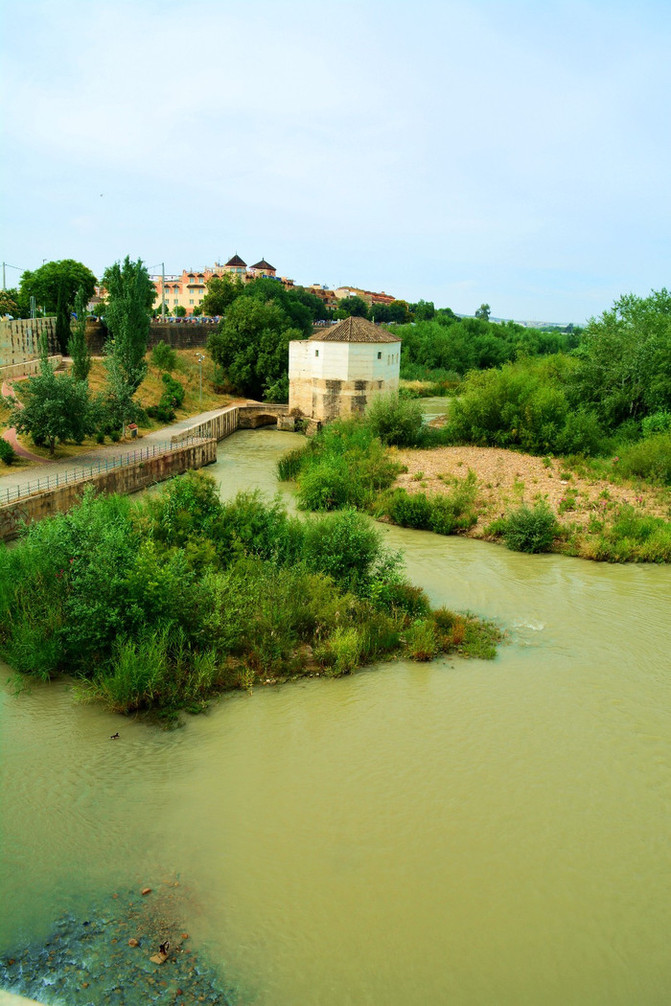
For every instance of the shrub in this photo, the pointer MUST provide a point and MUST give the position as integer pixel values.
(345, 546)
(648, 459)
(529, 529)
(658, 422)
(396, 421)
(345, 647)
(421, 640)
(164, 356)
(7, 453)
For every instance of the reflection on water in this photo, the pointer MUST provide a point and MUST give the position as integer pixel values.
(481, 832)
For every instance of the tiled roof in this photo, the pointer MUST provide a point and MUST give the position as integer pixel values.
(353, 330)
(264, 265)
(236, 260)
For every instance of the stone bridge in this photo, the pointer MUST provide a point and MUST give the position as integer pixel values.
(222, 423)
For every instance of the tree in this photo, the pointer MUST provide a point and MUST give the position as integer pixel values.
(221, 292)
(423, 310)
(130, 296)
(53, 408)
(252, 345)
(9, 303)
(77, 345)
(483, 312)
(354, 307)
(54, 286)
(625, 359)
(118, 407)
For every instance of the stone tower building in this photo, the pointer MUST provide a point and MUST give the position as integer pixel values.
(338, 371)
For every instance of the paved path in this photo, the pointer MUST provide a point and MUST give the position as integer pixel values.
(13, 477)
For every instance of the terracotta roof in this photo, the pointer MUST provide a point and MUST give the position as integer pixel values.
(353, 330)
(263, 265)
(236, 260)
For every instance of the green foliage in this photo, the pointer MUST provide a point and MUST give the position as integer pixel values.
(625, 360)
(117, 407)
(528, 529)
(344, 465)
(421, 640)
(159, 604)
(524, 405)
(55, 408)
(450, 345)
(252, 345)
(483, 312)
(54, 286)
(7, 452)
(77, 344)
(352, 307)
(658, 422)
(446, 513)
(648, 459)
(631, 537)
(221, 292)
(396, 421)
(130, 296)
(164, 356)
(171, 399)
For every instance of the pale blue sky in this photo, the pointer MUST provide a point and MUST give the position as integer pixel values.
(516, 152)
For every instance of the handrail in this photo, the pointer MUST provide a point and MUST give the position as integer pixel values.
(74, 475)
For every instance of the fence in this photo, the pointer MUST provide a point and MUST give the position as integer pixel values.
(70, 476)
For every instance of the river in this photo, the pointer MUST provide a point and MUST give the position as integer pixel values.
(454, 832)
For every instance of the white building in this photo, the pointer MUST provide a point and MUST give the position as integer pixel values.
(338, 371)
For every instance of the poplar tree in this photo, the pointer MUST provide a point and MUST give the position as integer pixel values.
(130, 295)
(77, 345)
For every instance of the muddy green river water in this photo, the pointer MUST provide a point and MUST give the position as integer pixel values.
(454, 833)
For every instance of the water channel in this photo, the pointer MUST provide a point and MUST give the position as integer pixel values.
(458, 832)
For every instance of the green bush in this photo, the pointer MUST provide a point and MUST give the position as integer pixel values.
(443, 514)
(529, 529)
(658, 422)
(157, 604)
(395, 420)
(7, 453)
(648, 459)
(164, 356)
(421, 640)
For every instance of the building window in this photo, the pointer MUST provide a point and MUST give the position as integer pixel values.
(316, 352)
(190, 302)
(176, 301)
(379, 356)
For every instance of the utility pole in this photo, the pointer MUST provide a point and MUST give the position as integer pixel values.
(162, 291)
(3, 276)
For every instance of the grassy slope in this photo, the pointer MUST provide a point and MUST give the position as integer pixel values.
(148, 394)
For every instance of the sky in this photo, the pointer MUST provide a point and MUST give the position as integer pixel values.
(507, 152)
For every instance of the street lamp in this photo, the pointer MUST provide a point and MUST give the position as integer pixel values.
(200, 359)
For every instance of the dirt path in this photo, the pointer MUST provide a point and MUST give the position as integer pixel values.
(506, 479)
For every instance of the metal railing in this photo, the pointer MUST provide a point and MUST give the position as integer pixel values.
(83, 474)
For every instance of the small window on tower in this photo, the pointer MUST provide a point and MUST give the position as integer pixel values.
(316, 352)
(379, 356)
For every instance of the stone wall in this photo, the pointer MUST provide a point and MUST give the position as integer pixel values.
(19, 340)
(179, 335)
(128, 479)
(27, 368)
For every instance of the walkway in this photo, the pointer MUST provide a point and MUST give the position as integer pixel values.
(13, 477)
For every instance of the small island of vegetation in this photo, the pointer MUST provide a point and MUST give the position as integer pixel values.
(156, 605)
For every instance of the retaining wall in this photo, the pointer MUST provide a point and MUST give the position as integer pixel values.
(128, 479)
(27, 368)
(19, 339)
